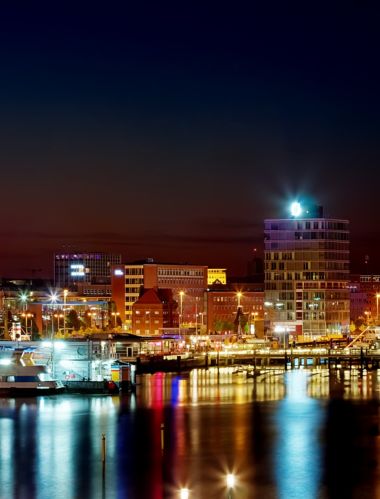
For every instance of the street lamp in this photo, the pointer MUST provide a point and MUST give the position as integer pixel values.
(230, 482)
(181, 295)
(24, 300)
(65, 293)
(196, 316)
(26, 315)
(53, 300)
(59, 316)
(239, 294)
(114, 315)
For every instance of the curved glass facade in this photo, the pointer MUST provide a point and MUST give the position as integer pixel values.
(306, 275)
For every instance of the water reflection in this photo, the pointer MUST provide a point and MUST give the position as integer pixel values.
(298, 434)
(298, 459)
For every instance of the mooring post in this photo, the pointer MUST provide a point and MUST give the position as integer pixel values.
(103, 455)
(162, 436)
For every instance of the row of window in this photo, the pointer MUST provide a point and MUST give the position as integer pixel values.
(97, 292)
(180, 272)
(287, 286)
(302, 244)
(298, 236)
(306, 276)
(290, 225)
(147, 322)
(307, 255)
(314, 265)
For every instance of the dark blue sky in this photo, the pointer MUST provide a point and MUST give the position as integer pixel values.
(172, 132)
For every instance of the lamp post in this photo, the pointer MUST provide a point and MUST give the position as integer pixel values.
(65, 293)
(26, 315)
(53, 301)
(24, 300)
(239, 294)
(114, 315)
(59, 316)
(239, 310)
(196, 316)
(181, 294)
(230, 482)
(201, 314)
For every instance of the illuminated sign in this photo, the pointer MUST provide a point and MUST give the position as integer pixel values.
(118, 272)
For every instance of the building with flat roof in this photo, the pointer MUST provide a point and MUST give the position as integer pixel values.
(187, 282)
(73, 269)
(307, 274)
(216, 276)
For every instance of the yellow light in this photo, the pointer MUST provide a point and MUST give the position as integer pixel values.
(184, 493)
(230, 480)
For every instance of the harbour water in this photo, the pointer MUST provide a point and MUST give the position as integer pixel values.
(300, 434)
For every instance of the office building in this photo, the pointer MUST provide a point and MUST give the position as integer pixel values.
(187, 282)
(307, 274)
(216, 276)
(73, 269)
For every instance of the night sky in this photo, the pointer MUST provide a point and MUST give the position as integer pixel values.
(172, 132)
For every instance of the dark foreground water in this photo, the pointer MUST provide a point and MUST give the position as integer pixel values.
(302, 435)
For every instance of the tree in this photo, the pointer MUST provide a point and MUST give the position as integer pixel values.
(72, 320)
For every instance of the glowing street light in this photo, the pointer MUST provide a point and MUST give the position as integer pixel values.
(377, 307)
(230, 482)
(24, 299)
(239, 294)
(65, 293)
(53, 297)
(184, 494)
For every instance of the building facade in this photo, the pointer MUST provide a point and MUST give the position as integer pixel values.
(216, 276)
(73, 269)
(187, 282)
(307, 275)
(365, 297)
(222, 309)
(154, 311)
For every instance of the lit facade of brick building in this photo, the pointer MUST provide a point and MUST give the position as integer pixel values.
(187, 282)
(222, 307)
(154, 311)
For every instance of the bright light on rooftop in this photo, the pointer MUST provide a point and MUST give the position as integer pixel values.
(295, 209)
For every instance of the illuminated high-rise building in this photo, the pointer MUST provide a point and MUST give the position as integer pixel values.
(72, 269)
(307, 274)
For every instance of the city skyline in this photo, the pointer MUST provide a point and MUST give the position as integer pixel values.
(173, 134)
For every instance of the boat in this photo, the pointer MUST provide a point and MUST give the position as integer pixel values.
(21, 377)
